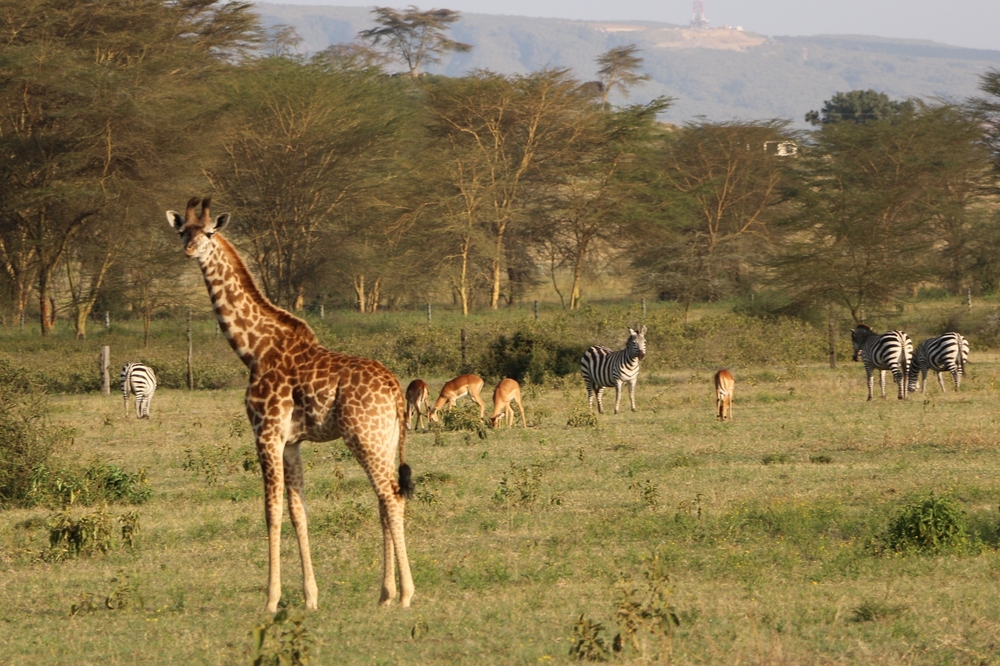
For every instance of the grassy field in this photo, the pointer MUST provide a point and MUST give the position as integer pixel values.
(770, 530)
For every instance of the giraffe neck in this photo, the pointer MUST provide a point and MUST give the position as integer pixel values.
(253, 325)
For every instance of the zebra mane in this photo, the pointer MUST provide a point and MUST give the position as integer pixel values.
(866, 327)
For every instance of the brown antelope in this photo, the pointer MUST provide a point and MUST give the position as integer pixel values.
(724, 385)
(506, 391)
(416, 395)
(469, 385)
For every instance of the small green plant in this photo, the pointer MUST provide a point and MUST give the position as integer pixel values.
(129, 522)
(239, 426)
(464, 417)
(282, 641)
(71, 536)
(419, 628)
(582, 418)
(520, 487)
(588, 641)
(648, 491)
(213, 461)
(125, 594)
(873, 610)
(932, 525)
(645, 608)
(774, 458)
(821, 459)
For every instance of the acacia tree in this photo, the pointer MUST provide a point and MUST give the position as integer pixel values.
(85, 92)
(499, 132)
(858, 106)
(414, 37)
(305, 141)
(619, 70)
(879, 200)
(717, 189)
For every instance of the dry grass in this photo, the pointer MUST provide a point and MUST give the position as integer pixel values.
(769, 563)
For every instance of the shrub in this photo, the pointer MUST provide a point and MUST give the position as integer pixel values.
(27, 439)
(98, 482)
(934, 524)
(531, 356)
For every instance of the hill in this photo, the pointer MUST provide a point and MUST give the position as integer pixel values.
(722, 73)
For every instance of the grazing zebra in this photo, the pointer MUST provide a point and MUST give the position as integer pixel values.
(141, 381)
(949, 352)
(891, 351)
(602, 367)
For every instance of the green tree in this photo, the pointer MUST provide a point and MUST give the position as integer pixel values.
(95, 98)
(881, 198)
(414, 37)
(858, 106)
(619, 70)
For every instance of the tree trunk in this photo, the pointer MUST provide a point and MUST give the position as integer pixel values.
(359, 292)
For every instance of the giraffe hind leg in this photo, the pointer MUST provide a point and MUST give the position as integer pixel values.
(294, 487)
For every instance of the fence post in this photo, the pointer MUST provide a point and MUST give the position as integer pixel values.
(322, 311)
(536, 310)
(107, 320)
(105, 374)
(190, 359)
(644, 308)
(832, 336)
(463, 348)
(968, 296)
(428, 314)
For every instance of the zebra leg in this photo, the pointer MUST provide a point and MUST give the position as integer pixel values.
(600, 400)
(940, 377)
(871, 384)
(881, 382)
(923, 382)
(618, 395)
(897, 375)
(590, 397)
(957, 376)
(631, 393)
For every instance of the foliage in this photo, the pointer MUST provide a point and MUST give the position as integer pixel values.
(932, 525)
(619, 70)
(859, 106)
(519, 487)
(588, 642)
(530, 356)
(71, 535)
(27, 439)
(98, 482)
(646, 608)
(414, 37)
(282, 640)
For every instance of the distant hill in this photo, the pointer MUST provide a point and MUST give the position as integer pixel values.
(720, 73)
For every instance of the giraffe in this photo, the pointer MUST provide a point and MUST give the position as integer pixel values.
(300, 391)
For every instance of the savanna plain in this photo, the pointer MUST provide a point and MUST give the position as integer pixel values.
(767, 539)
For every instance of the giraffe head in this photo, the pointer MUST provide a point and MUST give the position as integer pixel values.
(197, 230)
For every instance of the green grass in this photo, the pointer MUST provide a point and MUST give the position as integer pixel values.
(771, 557)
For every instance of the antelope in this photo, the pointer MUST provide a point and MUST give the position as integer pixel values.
(506, 391)
(724, 385)
(469, 385)
(416, 395)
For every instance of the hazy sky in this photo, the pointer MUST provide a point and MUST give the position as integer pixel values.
(968, 23)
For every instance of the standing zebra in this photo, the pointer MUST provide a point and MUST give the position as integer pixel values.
(602, 367)
(949, 352)
(141, 380)
(891, 351)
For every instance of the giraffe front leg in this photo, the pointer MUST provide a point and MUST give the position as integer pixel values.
(294, 485)
(273, 472)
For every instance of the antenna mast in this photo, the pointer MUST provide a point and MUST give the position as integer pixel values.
(698, 21)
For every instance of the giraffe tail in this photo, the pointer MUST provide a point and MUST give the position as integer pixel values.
(406, 485)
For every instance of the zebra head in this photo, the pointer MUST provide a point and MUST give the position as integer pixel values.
(858, 337)
(197, 230)
(636, 344)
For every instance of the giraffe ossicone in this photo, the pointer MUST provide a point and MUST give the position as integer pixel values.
(300, 391)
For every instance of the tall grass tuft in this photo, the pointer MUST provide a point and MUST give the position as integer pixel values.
(932, 525)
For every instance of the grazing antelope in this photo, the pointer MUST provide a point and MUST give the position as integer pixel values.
(416, 395)
(469, 385)
(506, 391)
(724, 385)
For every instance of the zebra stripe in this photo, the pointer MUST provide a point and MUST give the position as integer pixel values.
(602, 367)
(141, 381)
(891, 351)
(946, 353)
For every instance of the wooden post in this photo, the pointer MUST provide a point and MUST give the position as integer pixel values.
(107, 320)
(105, 374)
(644, 308)
(322, 311)
(463, 348)
(832, 333)
(536, 310)
(190, 358)
(968, 296)
(428, 314)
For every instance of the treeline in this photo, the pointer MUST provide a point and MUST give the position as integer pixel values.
(353, 187)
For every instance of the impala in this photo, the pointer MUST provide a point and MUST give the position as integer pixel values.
(724, 384)
(506, 390)
(416, 395)
(469, 385)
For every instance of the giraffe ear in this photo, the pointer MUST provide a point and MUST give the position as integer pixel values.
(175, 220)
(220, 223)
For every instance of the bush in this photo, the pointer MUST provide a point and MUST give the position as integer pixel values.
(934, 524)
(531, 356)
(27, 439)
(98, 482)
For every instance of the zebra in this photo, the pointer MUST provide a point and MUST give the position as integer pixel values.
(141, 381)
(602, 367)
(891, 351)
(949, 352)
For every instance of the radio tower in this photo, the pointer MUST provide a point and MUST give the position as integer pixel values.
(698, 21)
